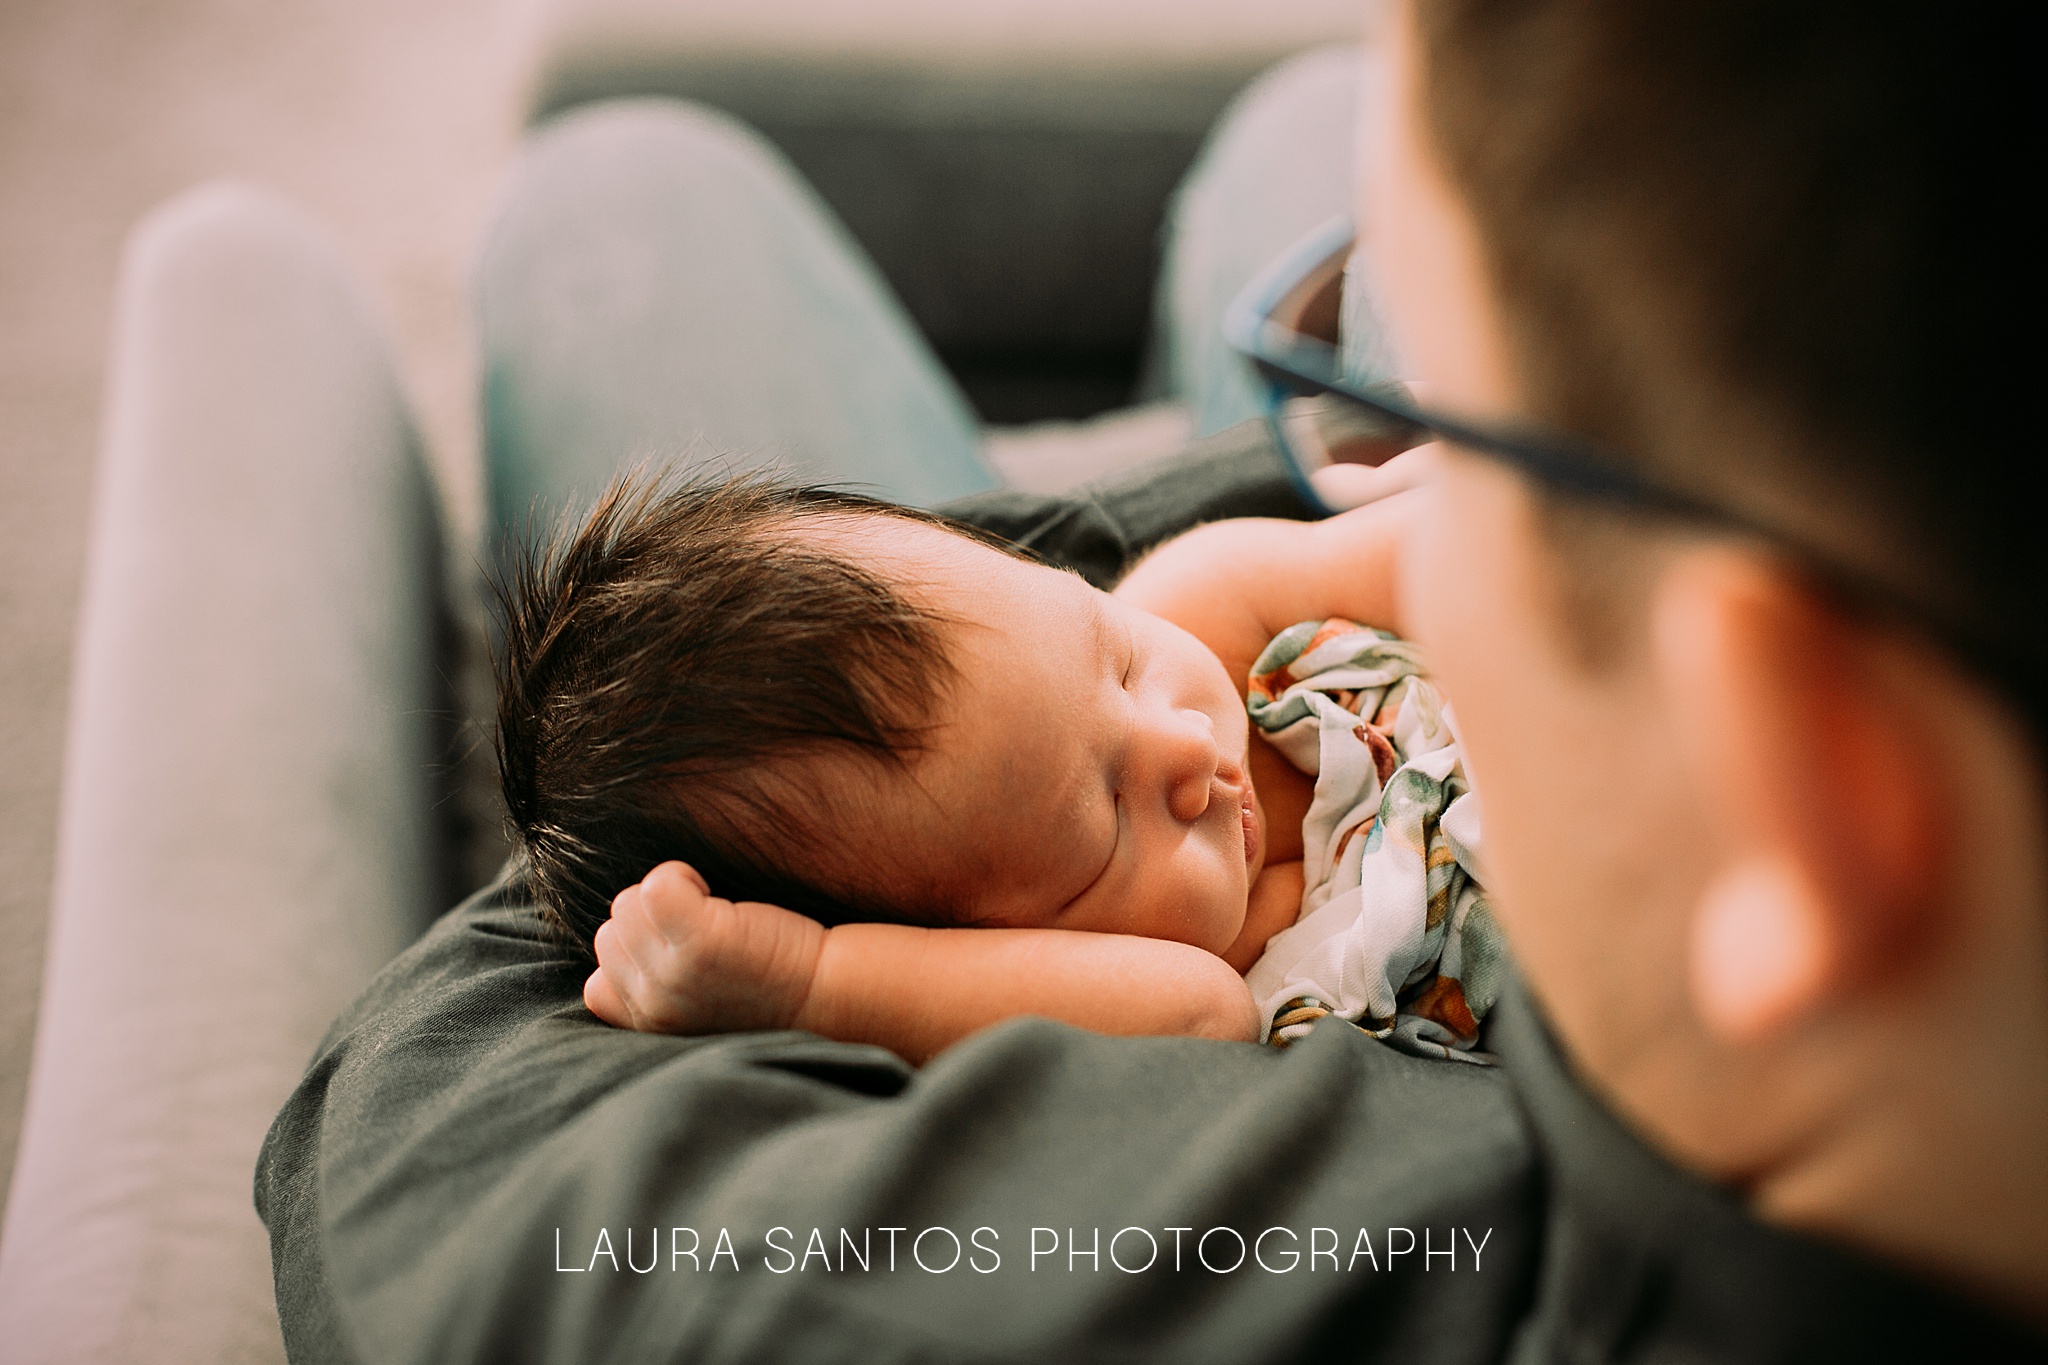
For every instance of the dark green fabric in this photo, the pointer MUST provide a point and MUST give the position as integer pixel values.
(1101, 530)
(1644, 1262)
(467, 1107)
(467, 1111)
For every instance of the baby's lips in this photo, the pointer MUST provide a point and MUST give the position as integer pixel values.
(1248, 813)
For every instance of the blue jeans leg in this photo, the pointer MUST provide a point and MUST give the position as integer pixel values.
(1280, 163)
(660, 286)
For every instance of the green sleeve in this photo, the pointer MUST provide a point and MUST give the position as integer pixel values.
(437, 1187)
(1101, 529)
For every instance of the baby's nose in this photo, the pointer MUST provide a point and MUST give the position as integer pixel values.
(1189, 745)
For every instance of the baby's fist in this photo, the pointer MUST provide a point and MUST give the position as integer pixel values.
(673, 958)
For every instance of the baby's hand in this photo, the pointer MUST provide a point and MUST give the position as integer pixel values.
(1345, 486)
(673, 958)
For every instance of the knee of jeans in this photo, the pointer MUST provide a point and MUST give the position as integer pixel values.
(628, 142)
(1302, 91)
(225, 239)
(1299, 118)
(249, 369)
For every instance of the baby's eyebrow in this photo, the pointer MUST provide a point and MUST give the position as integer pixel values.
(1109, 636)
(1113, 641)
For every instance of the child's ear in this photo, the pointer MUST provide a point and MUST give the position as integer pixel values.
(1798, 724)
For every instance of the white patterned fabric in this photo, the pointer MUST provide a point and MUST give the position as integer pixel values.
(1394, 934)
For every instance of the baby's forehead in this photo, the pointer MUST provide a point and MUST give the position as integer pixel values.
(1020, 734)
(894, 545)
(987, 597)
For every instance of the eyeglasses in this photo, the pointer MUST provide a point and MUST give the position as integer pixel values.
(1285, 323)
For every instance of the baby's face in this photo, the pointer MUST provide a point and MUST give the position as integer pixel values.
(1086, 771)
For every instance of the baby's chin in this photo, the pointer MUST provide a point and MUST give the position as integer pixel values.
(1225, 926)
(1227, 917)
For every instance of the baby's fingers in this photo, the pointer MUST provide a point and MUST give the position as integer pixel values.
(616, 991)
(670, 896)
(1351, 486)
(602, 999)
(629, 943)
(650, 954)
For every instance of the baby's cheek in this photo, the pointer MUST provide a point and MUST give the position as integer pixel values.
(1217, 899)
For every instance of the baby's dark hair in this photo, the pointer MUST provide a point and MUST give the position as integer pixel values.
(662, 662)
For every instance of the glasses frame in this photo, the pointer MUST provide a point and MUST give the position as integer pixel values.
(1268, 324)
(1264, 324)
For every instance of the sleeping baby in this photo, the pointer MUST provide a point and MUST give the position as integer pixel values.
(896, 781)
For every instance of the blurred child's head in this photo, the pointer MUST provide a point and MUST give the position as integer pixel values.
(862, 711)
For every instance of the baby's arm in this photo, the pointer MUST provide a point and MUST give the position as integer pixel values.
(1234, 585)
(675, 959)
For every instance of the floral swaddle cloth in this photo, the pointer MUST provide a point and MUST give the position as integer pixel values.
(1394, 933)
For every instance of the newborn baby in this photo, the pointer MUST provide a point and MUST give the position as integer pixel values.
(896, 781)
